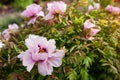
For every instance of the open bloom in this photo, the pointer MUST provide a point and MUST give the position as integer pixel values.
(32, 11)
(12, 28)
(90, 30)
(113, 10)
(42, 52)
(55, 7)
(94, 7)
(109, 8)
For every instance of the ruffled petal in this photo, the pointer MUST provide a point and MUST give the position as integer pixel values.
(44, 68)
(28, 61)
(56, 58)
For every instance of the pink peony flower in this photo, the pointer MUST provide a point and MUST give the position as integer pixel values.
(91, 28)
(42, 52)
(32, 11)
(109, 8)
(94, 7)
(90, 8)
(55, 7)
(12, 28)
(113, 10)
(97, 6)
(116, 11)
(5, 34)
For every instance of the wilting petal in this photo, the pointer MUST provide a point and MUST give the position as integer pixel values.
(28, 61)
(44, 68)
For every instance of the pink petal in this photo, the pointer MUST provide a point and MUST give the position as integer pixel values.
(56, 58)
(44, 68)
(97, 6)
(32, 21)
(39, 56)
(49, 16)
(94, 31)
(21, 55)
(90, 8)
(88, 24)
(28, 61)
(41, 13)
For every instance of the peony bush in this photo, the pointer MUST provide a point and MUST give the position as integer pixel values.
(63, 42)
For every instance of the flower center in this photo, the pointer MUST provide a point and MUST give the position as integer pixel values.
(32, 16)
(42, 50)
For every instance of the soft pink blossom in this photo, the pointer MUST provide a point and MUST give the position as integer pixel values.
(32, 11)
(12, 28)
(90, 8)
(113, 10)
(42, 52)
(55, 7)
(94, 7)
(97, 6)
(109, 8)
(93, 30)
(116, 11)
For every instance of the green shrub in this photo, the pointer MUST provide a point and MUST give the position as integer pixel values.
(21, 4)
(97, 59)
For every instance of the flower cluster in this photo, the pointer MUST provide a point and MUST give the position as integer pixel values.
(33, 11)
(12, 28)
(94, 7)
(113, 10)
(42, 52)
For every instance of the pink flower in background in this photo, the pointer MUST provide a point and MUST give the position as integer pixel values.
(97, 6)
(94, 7)
(6, 34)
(90, 8)
(90, 29)
(116, 11)
(42, 52)
(32, 11)
(55, 7)
(113, 10)
(109, 8)
(12, 28)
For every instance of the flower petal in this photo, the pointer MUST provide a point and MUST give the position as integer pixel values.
(56, 58)
(28, 61)
(44, 68)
